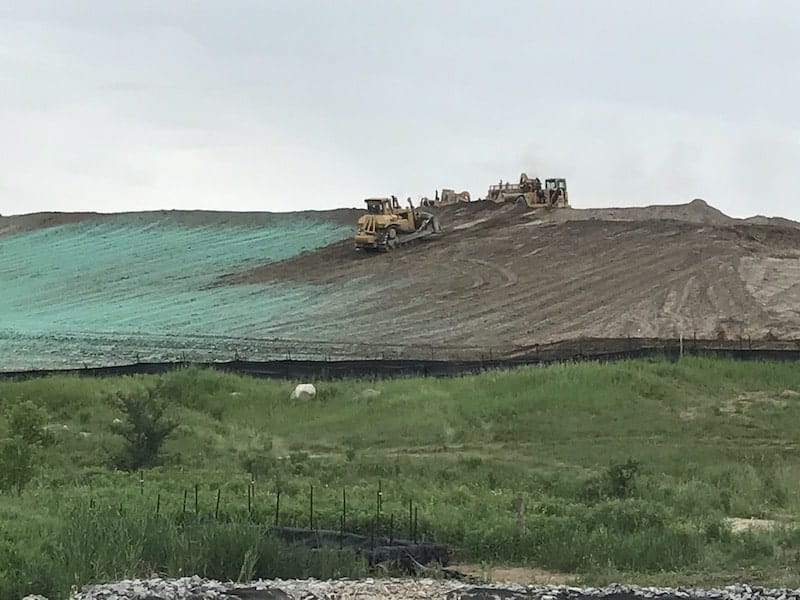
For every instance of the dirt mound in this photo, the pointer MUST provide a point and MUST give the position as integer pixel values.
(776, 221)
(697, 211)
(503, 275)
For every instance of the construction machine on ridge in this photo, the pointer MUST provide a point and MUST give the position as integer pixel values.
(447, 196)
(388, 225)
(531, 193)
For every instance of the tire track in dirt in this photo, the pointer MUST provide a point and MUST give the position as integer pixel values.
(509, 276)
(502, 275)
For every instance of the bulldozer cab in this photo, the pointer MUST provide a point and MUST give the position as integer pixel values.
(383, 206)
(555, 184)
(375, 206)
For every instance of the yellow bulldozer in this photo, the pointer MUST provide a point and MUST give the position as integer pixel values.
(388, 225)
(531, 192)
(448, 196)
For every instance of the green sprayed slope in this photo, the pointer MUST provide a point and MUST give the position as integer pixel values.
(132, 274)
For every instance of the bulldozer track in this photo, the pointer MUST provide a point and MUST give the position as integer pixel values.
(509, 276)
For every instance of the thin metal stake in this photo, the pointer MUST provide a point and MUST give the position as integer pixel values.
(344, 508)
(377, 527)
(311, 508)
(410, 518)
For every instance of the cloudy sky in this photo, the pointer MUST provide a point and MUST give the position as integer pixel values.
(285, 105)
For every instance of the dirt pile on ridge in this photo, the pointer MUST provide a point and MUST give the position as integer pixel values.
(697, 211)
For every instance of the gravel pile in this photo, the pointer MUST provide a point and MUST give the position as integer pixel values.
(196, 588)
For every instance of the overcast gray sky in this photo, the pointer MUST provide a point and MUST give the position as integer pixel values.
(259, 105)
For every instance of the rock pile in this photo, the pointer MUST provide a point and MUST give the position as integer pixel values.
(196, 588)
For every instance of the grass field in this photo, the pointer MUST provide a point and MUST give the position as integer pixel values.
(714, 440)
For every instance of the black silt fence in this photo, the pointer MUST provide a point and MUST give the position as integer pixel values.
(578, 350)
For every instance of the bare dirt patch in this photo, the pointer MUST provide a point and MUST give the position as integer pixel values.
(518, 575)
(739, 525)
(747, 400)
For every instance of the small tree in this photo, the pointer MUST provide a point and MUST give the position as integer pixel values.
(621, 478)
(144, 427)
(20, 452)
(27, 422)
(17, 464)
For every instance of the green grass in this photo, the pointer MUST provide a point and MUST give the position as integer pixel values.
(714, 439)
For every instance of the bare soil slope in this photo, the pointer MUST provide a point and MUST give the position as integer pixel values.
(504, 275)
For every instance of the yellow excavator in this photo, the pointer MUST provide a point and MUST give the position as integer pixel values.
(388, 225)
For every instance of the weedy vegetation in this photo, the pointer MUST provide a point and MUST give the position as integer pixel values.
(642, 471)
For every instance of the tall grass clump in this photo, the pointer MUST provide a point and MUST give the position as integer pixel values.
(101, 544)
(631, 535)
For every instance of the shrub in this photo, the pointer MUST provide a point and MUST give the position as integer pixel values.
(27, 421)
(17, 464)
(20, 452)
(621, 478)
(144, 427)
